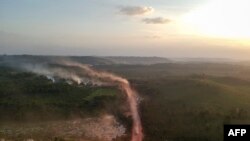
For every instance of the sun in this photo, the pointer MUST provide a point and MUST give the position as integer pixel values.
(222, 18)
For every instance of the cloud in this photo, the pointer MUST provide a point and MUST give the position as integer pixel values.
(156, 20)
(153, 36)
(135, 10)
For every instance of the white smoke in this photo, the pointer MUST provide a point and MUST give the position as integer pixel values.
(71, 77)
(51, 78)
(137, 134)
(50, 73)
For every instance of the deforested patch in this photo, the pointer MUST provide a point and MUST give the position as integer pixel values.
(104, 128)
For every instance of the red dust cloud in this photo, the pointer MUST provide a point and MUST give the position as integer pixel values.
(137, 134)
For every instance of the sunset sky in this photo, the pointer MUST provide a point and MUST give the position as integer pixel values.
(167, 28)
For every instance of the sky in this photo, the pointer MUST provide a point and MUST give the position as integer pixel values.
(166, 28)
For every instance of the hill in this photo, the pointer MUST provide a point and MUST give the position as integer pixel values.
(93, 60)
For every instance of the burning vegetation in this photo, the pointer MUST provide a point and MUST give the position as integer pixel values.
(84, 75)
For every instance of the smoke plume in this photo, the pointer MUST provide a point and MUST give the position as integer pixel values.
(137, 134)
(62, 72)
(50, 72)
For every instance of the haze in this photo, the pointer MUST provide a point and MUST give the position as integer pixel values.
(180, 28)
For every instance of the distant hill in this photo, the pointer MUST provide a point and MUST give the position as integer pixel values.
(202, 60)
(93, 60)
(138, 60)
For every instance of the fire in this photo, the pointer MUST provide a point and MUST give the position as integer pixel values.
(137, 134)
